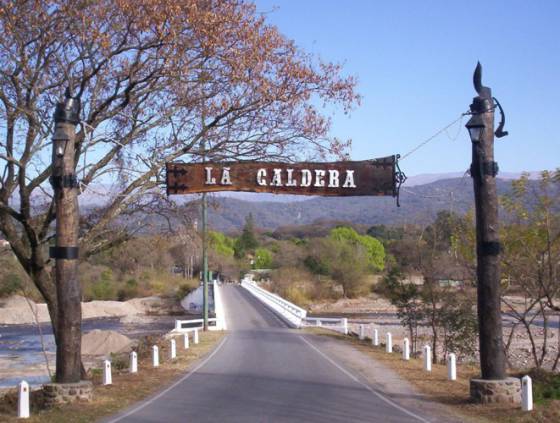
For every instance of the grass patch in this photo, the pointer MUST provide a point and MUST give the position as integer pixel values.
(456, 394)
(126, 390)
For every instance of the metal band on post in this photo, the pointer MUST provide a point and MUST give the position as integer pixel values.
(65, 253)
(64, 181)
(490, 248)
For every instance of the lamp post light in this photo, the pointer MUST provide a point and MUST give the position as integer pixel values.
(476, 126)
(493, 382)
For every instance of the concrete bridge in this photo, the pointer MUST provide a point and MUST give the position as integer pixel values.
(264, 370)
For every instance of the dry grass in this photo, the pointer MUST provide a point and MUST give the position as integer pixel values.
(453, 394)
(126, 389)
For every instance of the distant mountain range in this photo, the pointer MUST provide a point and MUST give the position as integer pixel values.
(419, 204)
(421, 198)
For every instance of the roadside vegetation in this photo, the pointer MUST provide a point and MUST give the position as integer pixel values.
(127, 388)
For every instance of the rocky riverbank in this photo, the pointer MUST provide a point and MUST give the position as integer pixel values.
(18, 310)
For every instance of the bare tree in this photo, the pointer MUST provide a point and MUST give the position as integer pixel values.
(154, 79)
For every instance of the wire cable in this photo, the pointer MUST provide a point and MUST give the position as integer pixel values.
(441, 131)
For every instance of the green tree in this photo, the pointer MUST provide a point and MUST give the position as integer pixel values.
(247, 242)
(263, 258)
(375, 252)
(221, 244)
(408, 300)
(346, 263)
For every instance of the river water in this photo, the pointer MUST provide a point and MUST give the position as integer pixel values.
(21, 354)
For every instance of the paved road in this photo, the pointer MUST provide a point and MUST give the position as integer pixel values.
(265, 372)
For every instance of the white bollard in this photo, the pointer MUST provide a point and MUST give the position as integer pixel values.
(375, 338)
(23, 400)
(406, 349)
(526, 393)
(133, 368)
(452, 367)
(361, 333)
(195, 336)
(173, 352)
(345, 326)
(186, 341)
(155, 356)
(107, 377)
(318, 323)
(389, 345)
(427, 358)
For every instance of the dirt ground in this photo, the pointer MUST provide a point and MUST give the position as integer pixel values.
(377, 312)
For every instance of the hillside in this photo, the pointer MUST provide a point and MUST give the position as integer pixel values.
(419, 204)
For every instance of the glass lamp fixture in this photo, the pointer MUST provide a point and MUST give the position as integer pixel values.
(476, 126)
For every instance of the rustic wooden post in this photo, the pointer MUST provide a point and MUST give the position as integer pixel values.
(483, 171)
(493, 385)
(64, 182)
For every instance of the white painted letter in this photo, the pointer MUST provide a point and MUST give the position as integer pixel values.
(291, 181)
(261, 177)
(226, 179)
(210, 180)
(333, 178)
(306, 177)
(349, 182)
(277, 178)
(319, 178)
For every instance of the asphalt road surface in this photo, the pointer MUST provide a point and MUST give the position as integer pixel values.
(263, 372)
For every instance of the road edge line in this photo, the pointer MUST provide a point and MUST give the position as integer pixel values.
(169, 388)
(365, 385)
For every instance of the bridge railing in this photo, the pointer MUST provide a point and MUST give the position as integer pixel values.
(214, 323)
(287, 310)
(339, 324)
(192, 324)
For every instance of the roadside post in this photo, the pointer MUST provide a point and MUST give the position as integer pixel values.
(107, 376)
(389, 342)
(452, 367)
(173, 350)
(155, 356)
(65, 251)
(375, 338)
(493, 386)
(133, 368)
(23, 400)
(406, 349)
(427, 358)
(527, 393)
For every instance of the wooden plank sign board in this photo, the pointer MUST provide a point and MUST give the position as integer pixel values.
(346, 178)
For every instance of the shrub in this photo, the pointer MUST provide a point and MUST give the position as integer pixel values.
(11, 284)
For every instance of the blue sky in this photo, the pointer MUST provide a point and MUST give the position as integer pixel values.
(414, 62)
